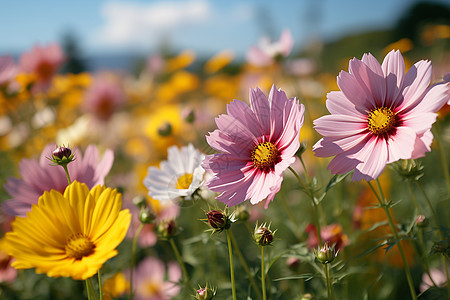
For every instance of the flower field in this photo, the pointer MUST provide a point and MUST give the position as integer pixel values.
(285, 175)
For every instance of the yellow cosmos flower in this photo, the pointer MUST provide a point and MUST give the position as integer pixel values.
(70, 234)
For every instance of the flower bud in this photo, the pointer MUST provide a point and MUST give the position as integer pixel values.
(165, 129)
(218, 220)
(408, 169)
(62, 156)
(167, 228)
(325, 254)
(421, 221)
(188, 115)
(205, 293)
(145, 216)
(140, 201)
(307, 296)
(263, 236)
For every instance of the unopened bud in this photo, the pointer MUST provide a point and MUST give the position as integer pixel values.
(146, 217)
(325, 254)
(421, 221)
(62, 156)
(165, 129)
(307, 297)
(263, 236)
(205, 293)
(218, 220)
(167, 228)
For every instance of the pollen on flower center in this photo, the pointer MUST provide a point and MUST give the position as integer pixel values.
(184, 181)
(381, 120)
(79, 246)
(264, 155)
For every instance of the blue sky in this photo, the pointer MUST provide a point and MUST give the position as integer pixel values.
(206, 26)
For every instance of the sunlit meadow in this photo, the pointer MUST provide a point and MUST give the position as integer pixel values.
(315, 174)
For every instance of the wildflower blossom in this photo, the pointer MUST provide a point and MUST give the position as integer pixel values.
(103, 98)
(333, 234)
(180, 176)
(70, 234)
(267, 52)
(40, 176)
(149, 280)
(43, 61)
(256, 145)
(380, 115)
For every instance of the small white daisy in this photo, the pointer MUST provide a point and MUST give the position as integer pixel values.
(179, 176)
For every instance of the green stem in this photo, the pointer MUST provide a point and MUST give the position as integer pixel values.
(180, 260)
(442, 152)
(244, 264)
(290, 214)
(311, 196)
(413, 197)
(100, 287)
(382, 201)
(90, 289)
(133, 258)
(436, 221)
(263, 274)
(67, 173)
(424, 254)
(435, 216)
(230, 253)
(329, 285)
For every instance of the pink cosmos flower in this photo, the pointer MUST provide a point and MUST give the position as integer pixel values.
(267, 52)
(150, 280)
(256, 145)
(40, 176)
(380, 115)
(8, 69)
(103, 98)
(438, 276)
(43, 61)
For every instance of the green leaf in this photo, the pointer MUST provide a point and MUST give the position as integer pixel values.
(307, 276)
(335, 180)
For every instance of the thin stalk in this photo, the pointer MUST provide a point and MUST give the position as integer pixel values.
(90, 289)
(316, 214)
(100, 287)
(230, 253)
(180, 260)
(382, 200)
(263, 274)
(244, 264)
(442, 152)
(67, 173)
(413, 197)
(424, 253)
(441, 236)
(289, 213)
(133, 257)
(329, 285)
(435, 216)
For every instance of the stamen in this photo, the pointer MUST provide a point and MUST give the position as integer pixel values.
(264, 155)
(184, 181)
(79, 246)
(381, 120)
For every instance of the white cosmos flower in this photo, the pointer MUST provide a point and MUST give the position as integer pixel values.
(179, 176)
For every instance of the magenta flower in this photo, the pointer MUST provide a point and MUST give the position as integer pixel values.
(8, 70)
(256, 145)
(151, 283)
(40, 176)
(103, 98)
(380, 115)
(44, 62)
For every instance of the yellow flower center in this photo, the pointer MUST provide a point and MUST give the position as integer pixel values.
(79, 246)
(264, 155)
(184, 181)
(381, 120)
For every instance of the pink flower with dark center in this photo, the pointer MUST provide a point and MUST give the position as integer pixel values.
(151, 283)
(256, 145)
(103, 98)
(266, 53)
(43, 61)
(40, 176)
(380, 115)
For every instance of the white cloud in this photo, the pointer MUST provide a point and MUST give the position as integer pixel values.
(131, 24)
